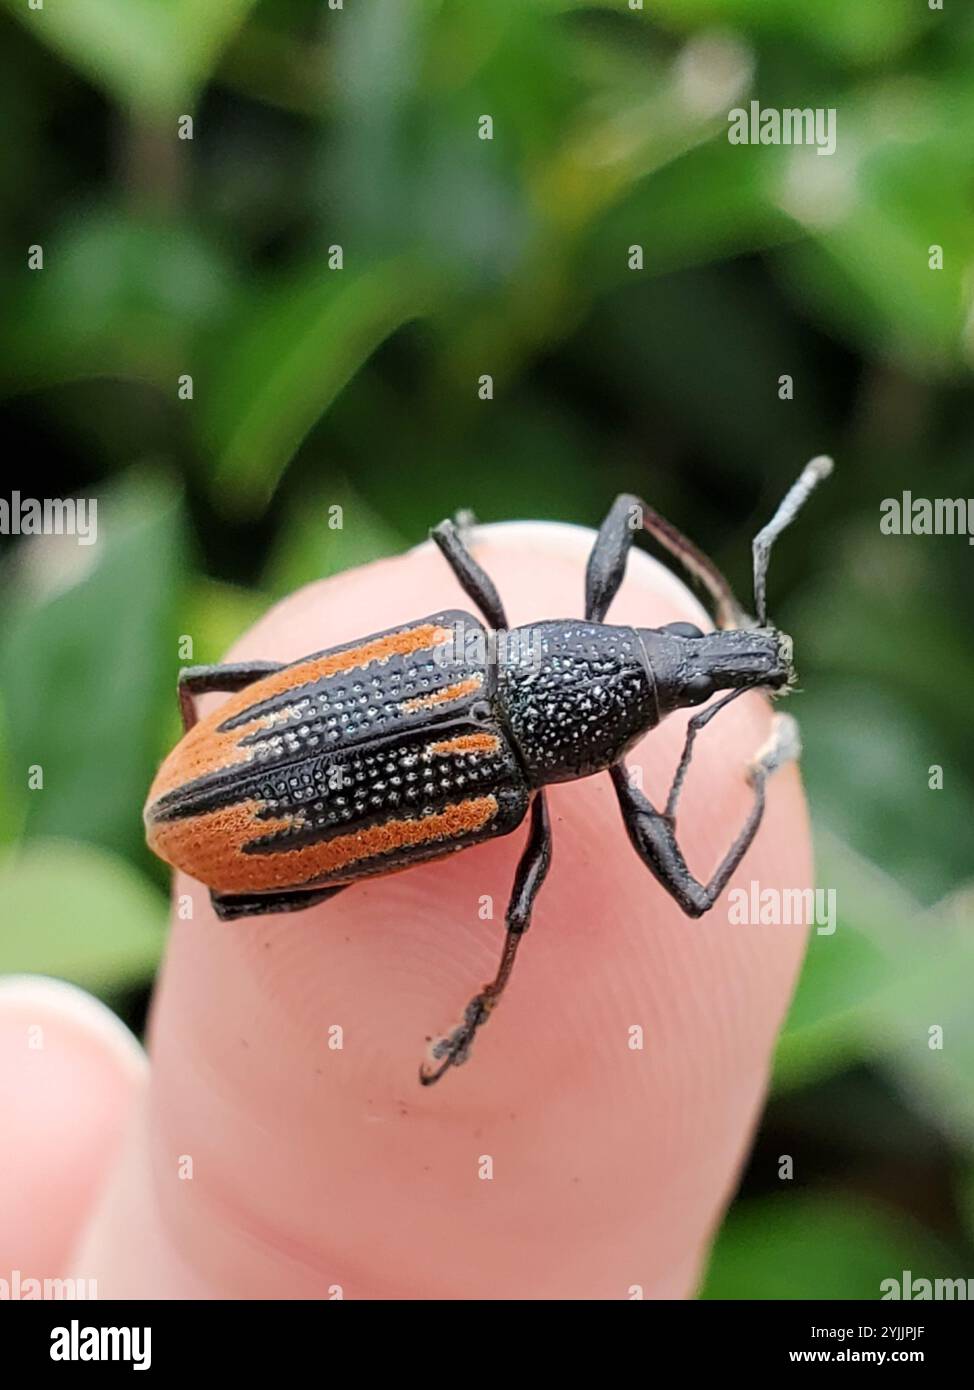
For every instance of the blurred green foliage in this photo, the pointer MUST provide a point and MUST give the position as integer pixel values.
(317, 128)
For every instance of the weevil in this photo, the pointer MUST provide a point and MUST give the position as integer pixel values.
(408, 745)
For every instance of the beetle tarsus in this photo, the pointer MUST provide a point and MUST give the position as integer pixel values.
(454, 1050)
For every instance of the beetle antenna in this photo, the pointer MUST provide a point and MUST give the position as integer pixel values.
(811, 475)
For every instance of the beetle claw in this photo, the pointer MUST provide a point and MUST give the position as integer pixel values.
(454, 1049)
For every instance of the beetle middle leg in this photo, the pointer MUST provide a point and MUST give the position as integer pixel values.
(532, 869)
(607, 561)
(476, 582)
(653, 832)
(228, 678)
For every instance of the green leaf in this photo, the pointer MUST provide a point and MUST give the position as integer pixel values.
(78, 913)
(13, 806)
(118, 296)
(801, 1246)
(152, 55)
(826, 1027)
(892, 192)
(856, 30)
(217, 615)
(873, 989)
(281, 368)
(925, 1024)
(866, 772)
(88, 663)
(310, 547)
(965, 1199)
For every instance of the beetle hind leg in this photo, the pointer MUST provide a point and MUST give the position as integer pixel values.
(453, 1050)
(228, 678)
(231, 906)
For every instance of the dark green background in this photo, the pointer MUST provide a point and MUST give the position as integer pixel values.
(359, 127)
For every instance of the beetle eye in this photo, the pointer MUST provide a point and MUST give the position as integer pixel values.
(682, 630)
(697, 689)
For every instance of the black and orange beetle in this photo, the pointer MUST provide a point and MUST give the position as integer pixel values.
(428, 738)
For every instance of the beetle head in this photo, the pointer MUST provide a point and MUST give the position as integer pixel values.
(689, 666)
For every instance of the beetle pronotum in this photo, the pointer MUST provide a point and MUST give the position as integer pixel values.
(405, 745)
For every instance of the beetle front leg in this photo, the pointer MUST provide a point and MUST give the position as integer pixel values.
(607, 562)
(229, 678)
(532, 868)
(653, 832)
(698, 722)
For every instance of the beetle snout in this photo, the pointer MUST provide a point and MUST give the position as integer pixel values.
(689, 669)
(745, 657)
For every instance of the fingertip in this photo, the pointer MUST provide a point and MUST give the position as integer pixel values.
(69, 1070)
(285, 1048)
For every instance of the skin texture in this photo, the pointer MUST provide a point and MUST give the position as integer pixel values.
(315, 1168)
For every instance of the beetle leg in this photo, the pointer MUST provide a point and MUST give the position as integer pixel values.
(476, 583)
(607, 562)
(653, 833)
(229, 906)
(699, 721)
(236, 675)
(532, 868)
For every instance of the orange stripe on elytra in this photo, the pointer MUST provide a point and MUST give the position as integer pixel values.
(467, 743)
(206, 748)
(211, 846)
(444, 696)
